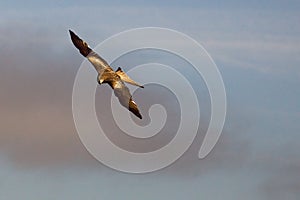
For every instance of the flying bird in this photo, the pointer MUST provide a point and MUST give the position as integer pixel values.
(107, 75)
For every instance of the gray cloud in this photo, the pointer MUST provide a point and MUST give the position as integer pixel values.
(36, 122)
(39, 64)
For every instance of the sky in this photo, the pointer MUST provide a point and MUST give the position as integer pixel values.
(256, 47)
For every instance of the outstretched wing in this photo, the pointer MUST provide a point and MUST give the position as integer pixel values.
(124, 77)
(99, 63)
(124, 96)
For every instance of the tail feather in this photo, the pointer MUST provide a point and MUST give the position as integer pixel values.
(124, 77)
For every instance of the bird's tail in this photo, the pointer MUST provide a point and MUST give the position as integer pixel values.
(124, 77)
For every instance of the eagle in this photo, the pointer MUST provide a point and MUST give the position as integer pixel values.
(107, 75)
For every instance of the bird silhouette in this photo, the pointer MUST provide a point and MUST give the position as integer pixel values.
(107, 75)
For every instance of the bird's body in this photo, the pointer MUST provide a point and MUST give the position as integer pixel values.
(107, 75)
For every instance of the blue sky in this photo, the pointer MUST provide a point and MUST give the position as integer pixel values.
(256, 46)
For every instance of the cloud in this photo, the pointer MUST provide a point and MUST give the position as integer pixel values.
(264, 40)
(283, 165)
(275, 57)
(37, 128)
(283, 184)
(39, 64)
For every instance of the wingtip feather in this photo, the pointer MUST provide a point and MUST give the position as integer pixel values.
(134, 109)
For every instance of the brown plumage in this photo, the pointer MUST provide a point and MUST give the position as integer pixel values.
(107, 75)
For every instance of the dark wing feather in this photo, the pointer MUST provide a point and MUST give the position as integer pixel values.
(99, 63)
(81, 45)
